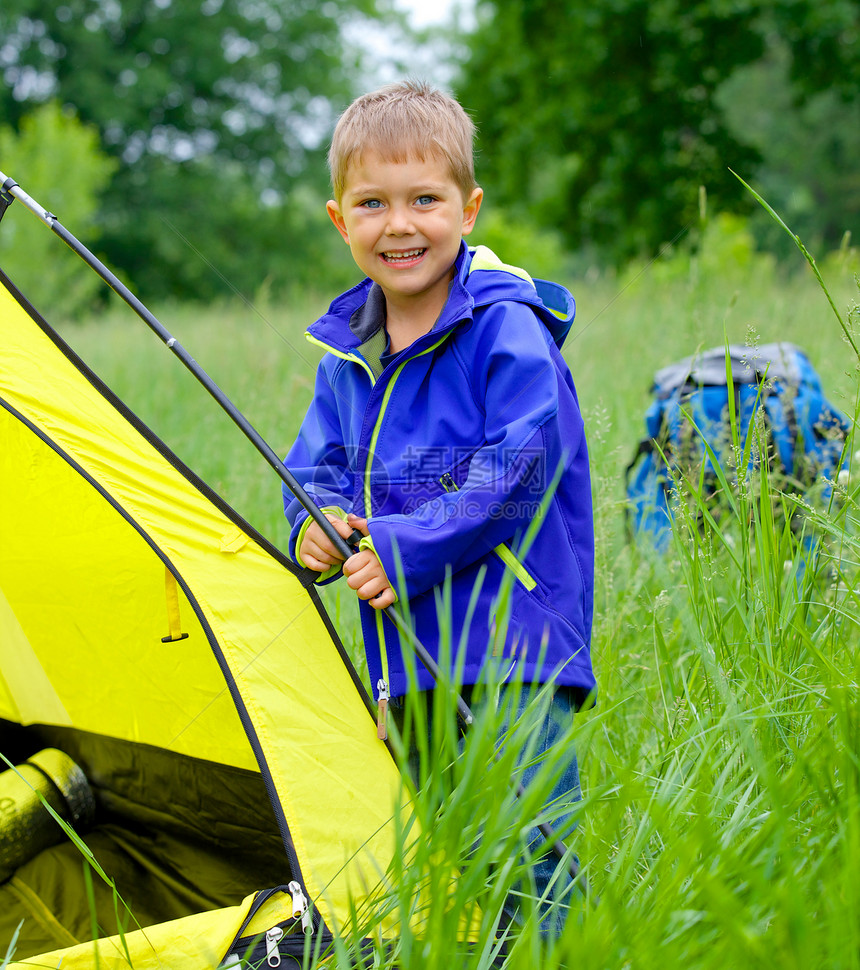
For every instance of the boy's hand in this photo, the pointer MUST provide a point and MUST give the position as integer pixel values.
(364, 572)
(317, 551)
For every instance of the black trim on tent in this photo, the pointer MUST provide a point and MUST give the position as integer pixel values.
(305, 576)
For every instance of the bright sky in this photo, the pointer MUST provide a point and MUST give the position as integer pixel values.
(426, 61)
(422, 13)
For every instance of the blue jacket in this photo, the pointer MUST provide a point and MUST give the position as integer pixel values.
(467, 455)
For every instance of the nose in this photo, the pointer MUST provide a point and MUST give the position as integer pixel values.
(399, 221)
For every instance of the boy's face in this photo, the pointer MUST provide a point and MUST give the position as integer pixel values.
(403, 222)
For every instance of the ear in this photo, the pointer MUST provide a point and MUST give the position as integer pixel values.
(336, 217)
(470, 209)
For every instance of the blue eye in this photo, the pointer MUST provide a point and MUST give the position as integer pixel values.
(426, 199)
(372, 204)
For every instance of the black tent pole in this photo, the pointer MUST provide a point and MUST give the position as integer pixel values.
(9, 190)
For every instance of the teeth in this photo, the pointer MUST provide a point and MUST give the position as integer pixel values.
(410, 254)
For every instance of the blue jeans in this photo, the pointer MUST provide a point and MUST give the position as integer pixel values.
(552, 880)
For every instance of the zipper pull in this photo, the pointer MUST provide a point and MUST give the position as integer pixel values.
(273, 938)
(300, 907)
(448, 482)
(381, 709)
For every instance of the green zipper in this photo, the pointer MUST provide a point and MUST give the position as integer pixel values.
(503, 551)
(382, 686)
(507, 556)
(374, 438)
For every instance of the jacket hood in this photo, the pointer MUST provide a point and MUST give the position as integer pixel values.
(489, 280)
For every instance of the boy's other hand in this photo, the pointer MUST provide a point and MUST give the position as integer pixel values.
(364, 572)
(317, 551)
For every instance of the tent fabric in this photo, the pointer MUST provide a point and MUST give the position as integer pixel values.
(136, 607)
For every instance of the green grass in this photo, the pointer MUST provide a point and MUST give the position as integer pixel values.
(720, 825)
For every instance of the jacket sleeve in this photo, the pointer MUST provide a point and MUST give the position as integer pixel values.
(318, 460)
(516, 382)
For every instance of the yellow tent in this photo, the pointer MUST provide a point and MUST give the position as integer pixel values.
(185, 666)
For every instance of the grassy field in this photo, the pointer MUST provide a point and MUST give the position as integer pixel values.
(720, 825)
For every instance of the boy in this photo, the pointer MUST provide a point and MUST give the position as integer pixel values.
(444, 421)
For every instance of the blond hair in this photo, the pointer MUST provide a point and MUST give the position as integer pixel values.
(409, 119)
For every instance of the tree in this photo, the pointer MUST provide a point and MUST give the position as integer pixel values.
(601, 117)
(824, 41)
(213, 109)
(602, 120)
(808, 143)
(60, 153)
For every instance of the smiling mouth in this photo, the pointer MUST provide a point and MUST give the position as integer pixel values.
(407, 256)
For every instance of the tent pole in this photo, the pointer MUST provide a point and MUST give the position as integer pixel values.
(9, 190)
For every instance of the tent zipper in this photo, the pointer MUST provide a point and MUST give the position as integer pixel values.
(276, 933)
(274, 937)
(261, 897)
(300, 907)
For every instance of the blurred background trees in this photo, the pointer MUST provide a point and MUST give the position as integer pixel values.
(197, 128)
(602, 117)
(215, 113)
(602, 120)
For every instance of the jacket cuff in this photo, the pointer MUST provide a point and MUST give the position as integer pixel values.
(334, 570)
(366, 542)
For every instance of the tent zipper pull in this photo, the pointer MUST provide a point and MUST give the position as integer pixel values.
(300, 907)
(273, 938)
(381, 709)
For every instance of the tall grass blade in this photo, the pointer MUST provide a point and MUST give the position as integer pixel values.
(10, 949)
(807, 256)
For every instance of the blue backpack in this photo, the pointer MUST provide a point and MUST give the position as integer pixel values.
(804, 439)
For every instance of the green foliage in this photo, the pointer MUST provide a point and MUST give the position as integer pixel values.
(723, 248)
(56, 152)
(598, 122)
(200, 231)
(824, 40)
(224, 78)
(518, 241)
(808, 146)
(602, 120)
(10, 949)
(465, 851)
